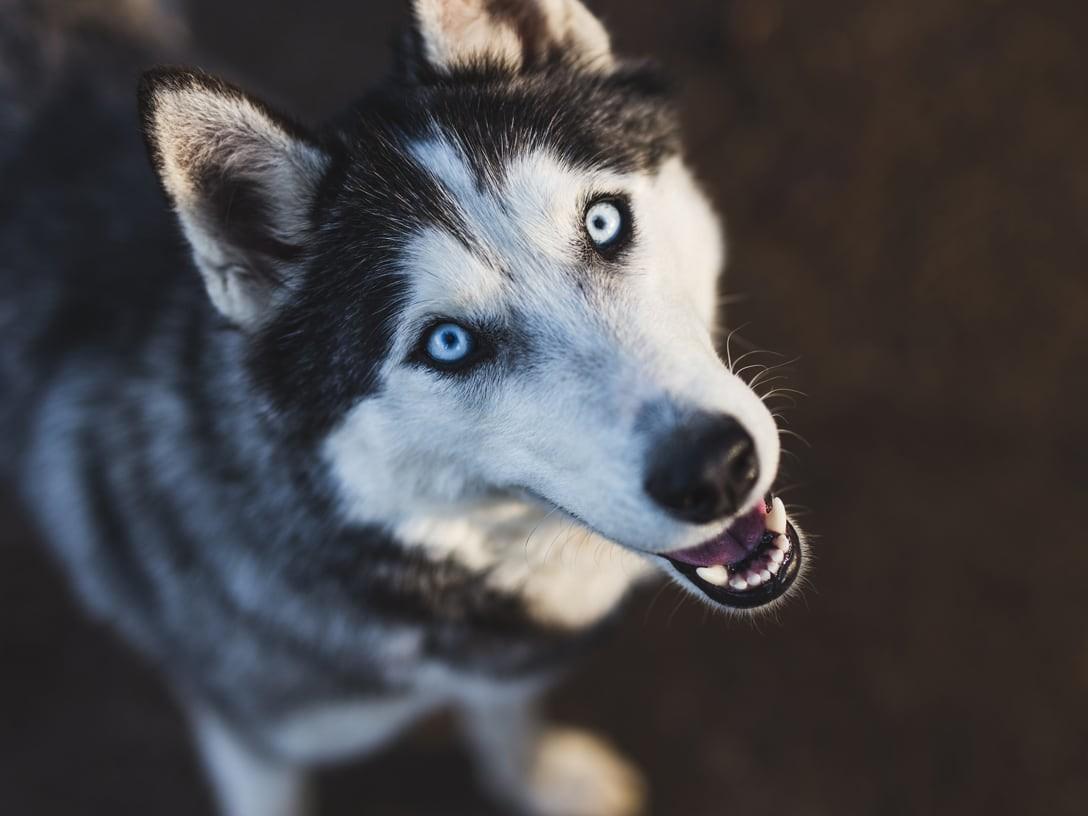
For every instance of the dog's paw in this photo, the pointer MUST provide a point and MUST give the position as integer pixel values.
(577, 774)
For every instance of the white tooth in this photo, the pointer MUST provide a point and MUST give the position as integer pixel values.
(753, 579)
(776, 557)
(773, 566)
(738, 583)
(765, 575)
(717, 575)
(782, 543)
(776, 519)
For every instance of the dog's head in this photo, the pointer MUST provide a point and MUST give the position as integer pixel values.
(493, 275)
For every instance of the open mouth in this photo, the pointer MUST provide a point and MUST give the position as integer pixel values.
(753, 562)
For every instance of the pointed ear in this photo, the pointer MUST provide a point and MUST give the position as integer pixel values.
(515, 33)
(242, 180)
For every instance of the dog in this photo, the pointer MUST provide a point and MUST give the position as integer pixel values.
(341, 425)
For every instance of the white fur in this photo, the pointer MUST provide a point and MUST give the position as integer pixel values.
(572, 25)
(547, 770)
(576, 773)
(568, 575)
(332, 732)
(456, 32)
(245, 782)
(424, 457)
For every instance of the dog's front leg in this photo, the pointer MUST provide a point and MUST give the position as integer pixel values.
(245, 782)
(548, 770)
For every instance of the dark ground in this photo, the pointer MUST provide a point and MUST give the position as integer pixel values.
(908, 197)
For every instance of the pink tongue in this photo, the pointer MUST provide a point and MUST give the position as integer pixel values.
(731, 546)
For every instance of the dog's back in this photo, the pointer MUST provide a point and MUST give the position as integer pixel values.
(89, 254)
(101, 321)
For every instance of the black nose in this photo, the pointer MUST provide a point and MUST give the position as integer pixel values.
(704, 469)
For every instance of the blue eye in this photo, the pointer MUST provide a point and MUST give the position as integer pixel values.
(449, 343)
(608, 225)
(604, 222)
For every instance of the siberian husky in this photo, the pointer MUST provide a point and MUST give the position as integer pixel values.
(403, 410)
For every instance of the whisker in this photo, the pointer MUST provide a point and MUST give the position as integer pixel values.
(740, 372)
(796, 391)
(729, 345)
(525, 546)
(775, 367)
(790, 402)
(750, 353)
(760, 381)
(795, 435)
(683, 597)
(788, 488)
(653, 601)
(730, 299)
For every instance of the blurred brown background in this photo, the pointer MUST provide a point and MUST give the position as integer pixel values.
(907, 195)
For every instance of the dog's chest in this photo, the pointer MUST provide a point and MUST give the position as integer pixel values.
(564, 575)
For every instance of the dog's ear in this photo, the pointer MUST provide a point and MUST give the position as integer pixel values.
(516, 34)
(242, 180)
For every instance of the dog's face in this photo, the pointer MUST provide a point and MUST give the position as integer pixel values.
(496, 277)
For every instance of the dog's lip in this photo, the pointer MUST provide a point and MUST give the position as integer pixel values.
(726, 596)
(731, 545)
(758, 547)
